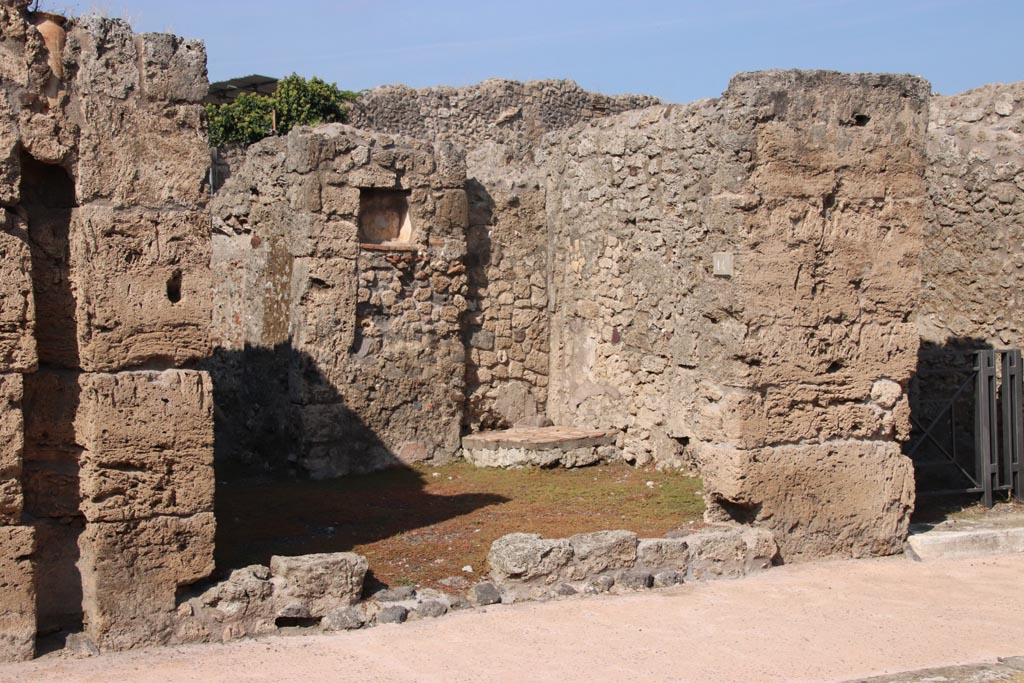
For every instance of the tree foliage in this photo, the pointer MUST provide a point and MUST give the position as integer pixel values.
(297, 102)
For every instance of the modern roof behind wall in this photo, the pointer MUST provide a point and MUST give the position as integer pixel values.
(226, 91)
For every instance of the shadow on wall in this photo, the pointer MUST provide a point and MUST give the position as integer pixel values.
(265, 503)
(474, 337)
(942, 406)
(52, 456)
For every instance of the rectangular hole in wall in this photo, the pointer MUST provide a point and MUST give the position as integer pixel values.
(384, 216)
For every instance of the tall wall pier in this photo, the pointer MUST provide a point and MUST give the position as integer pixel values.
(107, 441)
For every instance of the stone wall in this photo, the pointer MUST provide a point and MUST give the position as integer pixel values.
(784, 380)
(107, 488)
(500, 124)
(337, 354)
(973, 256)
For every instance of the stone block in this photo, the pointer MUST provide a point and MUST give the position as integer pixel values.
(148, 439)
(663, 553)
(143, 286)
(730, 553)
(17, 305)
(240, 606)
(837, 499)
(601, 551)
(528, 557)
(173, 69)
(17, 594)
(12, 448)
(318, 583)
(131, 572)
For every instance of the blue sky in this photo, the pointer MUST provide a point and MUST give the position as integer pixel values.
(678, 51)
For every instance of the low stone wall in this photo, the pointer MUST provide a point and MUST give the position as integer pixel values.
(326, 591)
(526, 566)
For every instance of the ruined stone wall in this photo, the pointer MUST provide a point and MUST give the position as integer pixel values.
(500, 124)
(337, 354)
(786, 379)
(973, 256)
(107, 492)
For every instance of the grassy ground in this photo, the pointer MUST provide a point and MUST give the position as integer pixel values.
(417, 526)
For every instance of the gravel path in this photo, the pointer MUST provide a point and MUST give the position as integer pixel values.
(823, 622)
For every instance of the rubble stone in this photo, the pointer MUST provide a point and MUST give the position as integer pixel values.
(320, 582)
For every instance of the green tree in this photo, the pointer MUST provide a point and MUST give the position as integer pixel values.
(242, 122)
(297, 102)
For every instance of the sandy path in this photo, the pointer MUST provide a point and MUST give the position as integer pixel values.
(823, 622)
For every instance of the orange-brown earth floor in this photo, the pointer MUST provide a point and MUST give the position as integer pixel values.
(420, 525)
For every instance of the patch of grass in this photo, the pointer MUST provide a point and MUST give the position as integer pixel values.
(420, 525)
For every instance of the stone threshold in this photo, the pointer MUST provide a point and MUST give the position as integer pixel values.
(541, 447)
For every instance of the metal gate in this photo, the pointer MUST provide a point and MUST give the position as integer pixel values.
(994, 391)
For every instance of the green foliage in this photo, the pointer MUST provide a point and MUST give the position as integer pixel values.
(248, 119)
(297, 102)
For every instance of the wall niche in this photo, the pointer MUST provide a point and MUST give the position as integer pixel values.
(384, 217)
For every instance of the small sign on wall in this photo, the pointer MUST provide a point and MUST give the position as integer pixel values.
(722, 263)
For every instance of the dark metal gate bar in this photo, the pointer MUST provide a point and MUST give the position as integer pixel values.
(1013, 423)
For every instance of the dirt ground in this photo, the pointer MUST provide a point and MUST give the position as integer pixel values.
(421, 525)
(821, 623)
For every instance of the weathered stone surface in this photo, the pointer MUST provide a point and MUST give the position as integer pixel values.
(395, 594)
(142, 285)
(148, 445)
(173, 69)
(499, 123)
(12, 448)
(634, 579)
(17, 594)
(540, 447)
(430, 609)
(240, 606)
(120, 97)
(17, 305)
(601, 551)
(392, 614)
(526, 557)
(845, 498)
(729, 553)
(343, 619)
(663, 553)
(668, 578)
(58, 580)
(320, 582)
(131, 572)
(485, 594)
